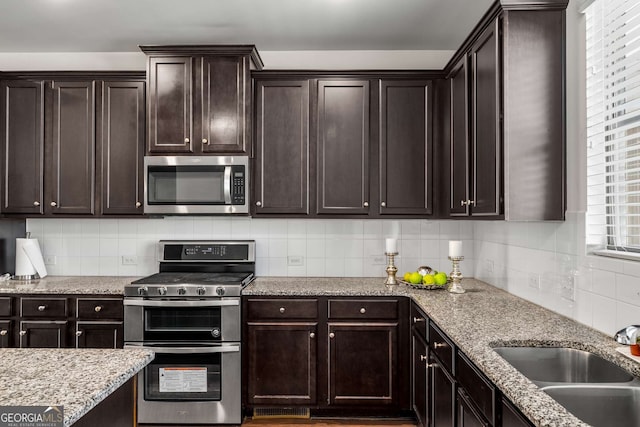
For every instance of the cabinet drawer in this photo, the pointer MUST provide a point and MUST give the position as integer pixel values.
(479, 390)
(5, 306)
(363, 309)
(282, 309)
(99, 308)
(43, 307)
(441, 346)
(419, 321)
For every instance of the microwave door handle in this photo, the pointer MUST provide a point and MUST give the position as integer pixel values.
(198, 303)
(234, 348)
(227, 185)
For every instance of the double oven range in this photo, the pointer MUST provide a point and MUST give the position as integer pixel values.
(189, 314)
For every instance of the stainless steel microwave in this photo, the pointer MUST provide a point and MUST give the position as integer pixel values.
(183, 185)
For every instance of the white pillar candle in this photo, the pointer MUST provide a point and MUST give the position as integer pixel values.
(391, 245)
(455, 248)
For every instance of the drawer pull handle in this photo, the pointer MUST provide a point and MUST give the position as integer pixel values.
(432, 365)
(365, 204)
(258, 203)
(78, 333)
(282, 310)
(205, 141)
(331, 335)
(363, 310)
(53, 204)
(383, 204)
(418, 319)
(98, 308)
(138, 204)
(439, 344)
(36, 203)
(423, 358)
(186, 140)
(3, 332)
(312, 335)
(42, 307)
(23, 333)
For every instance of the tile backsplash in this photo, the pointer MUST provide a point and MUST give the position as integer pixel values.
(295, 247)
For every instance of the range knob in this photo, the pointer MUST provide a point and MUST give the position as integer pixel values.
(143, 290)
(215, 332)
(182, 290)
(201, 290)
(220, 291)
(162, 290)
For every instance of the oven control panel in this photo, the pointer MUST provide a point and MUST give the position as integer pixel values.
(207, 251)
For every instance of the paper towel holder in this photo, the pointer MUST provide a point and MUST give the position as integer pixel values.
(28, 277)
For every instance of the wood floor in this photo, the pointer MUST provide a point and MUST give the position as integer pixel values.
(325, 423)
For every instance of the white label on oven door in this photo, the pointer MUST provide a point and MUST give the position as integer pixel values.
(183, 380)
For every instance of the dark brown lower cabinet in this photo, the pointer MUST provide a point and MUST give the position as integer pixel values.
(117, 410)
(43, 334)
(282, 363)
(362, 363)
(420, 398)
(99, 335)
(6, 333)
(442, 390)
(468, 415)
(511, 417)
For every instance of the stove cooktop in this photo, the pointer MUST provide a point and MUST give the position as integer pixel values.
(189, 285)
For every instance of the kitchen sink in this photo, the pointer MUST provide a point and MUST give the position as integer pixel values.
(550, 365)
(600, 406)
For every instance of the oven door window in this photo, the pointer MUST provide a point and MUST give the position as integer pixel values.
(183, 377)
(186, 185)
(182, 324)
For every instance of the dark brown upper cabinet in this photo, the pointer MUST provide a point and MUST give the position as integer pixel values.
(343, 147)
(23, 147)
(281, 167)
(405, 147)
(507, 143)
(200, 98)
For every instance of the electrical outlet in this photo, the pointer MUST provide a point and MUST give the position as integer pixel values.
(568, 288)
(129, 260)
(534, 281)
(379, 260)
(50, 260)
(488, 266)
(295, 260)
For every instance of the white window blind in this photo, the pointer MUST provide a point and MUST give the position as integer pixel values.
(613, 124)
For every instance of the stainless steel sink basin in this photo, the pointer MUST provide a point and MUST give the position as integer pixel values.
(600, 406)
(546, 365)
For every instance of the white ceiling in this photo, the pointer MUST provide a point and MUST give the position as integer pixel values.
(272, 25)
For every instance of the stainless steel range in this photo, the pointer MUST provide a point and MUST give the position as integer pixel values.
(189, 314)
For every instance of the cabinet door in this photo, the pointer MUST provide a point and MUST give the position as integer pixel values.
(459, 148)
(282, 147)
(468, 416)
(22, 147)
(362, 363)
(343, 147)
(282, 359)
(170, 104)
(486, 117)
(511, 417)
(99, 335)
(224, 104)
(405, 147)
(420, 381)
(6, 333)
(71, 150)
(442, 394)
(43, 334)
(121, 147)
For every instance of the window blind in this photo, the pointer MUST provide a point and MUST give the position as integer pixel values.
(613, 124)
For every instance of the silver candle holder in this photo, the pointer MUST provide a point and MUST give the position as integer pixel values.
(391, 269)
(456, 276)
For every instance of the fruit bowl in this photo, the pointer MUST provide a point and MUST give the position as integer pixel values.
(422, 285)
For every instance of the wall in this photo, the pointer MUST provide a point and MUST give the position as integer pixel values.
(327, 247)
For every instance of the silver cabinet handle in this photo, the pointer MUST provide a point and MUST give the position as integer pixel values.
(467, 203)
(53, 204)
(365, 204)
(363, 310)
(78, 333)
(98, 308)
(42, 307)
(3, 332)
(138, 204)
(439, 344)
(258, 203)
(432, 365)
(186, 140)
(36, 203)
(205, 141)
(383, 204)
(282, 310)
(423, 358)
(463, 203)
(418, 319)
(331, 335)
(312, 335)
(23, 333)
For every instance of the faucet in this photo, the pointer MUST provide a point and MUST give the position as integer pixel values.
(627, 335)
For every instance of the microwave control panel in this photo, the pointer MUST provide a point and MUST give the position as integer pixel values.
(237, 185)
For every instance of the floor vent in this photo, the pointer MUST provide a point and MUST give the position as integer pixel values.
(263, 413)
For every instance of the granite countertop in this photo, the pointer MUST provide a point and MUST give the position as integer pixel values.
(79, 379)
(81, 285)
(482, 318)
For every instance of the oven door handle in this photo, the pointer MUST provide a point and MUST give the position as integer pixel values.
(169, 304)
(232, 348)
